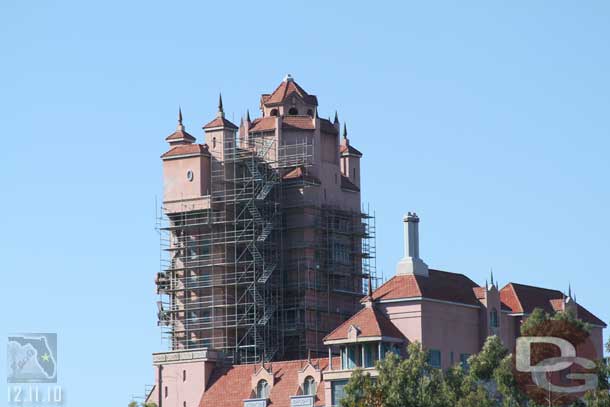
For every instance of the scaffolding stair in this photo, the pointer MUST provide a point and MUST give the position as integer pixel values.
(269, 269)
(267, 229)
(256, 174)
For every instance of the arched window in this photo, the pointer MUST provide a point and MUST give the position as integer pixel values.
(309, 386)
(214, 142)
(493, 318)
(262, 389)
(293, 111)
(273, 112)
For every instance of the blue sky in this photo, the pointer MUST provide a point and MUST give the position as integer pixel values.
(490, 119)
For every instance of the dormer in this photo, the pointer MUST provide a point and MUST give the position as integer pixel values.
(365, 338)
(288, 99)
(261, 383)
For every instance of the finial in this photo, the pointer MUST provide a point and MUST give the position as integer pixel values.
(309, 355)
(492, 276)
(288, 78)
(248, 115)
(344, 130)
(336, 117)
(220, 109)
(569, 290)
(179, 115)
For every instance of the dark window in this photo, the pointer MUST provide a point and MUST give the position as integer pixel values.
(166, 392)
(434, 358)
(493, 318)
(273, 112)
(310, 112)
(338, 392)
(214, 142)
(464, 360)
(184, 375)
(309, 386)
(262, 390)
(293, 111)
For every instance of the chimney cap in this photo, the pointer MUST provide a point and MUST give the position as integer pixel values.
(411, 217)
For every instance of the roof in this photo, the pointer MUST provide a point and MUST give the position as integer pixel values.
(187, 149)
(180, 134)
(439, 285)
(298, 122)
(347, 184)
(326, 126)
(300, 173)
(263, 124)
(370, 322)
(220, 121)
(230, 386)
(520, 298)
(349, 150)
(284, 90)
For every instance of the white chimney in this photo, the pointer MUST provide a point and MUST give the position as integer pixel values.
(411, 263)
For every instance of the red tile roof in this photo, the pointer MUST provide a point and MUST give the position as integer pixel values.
(284, 90)
(180, 135)
(187, 149)
(520, 298)
(348, 149)
(347, 184)
(370, 322)
(300, 173)
(220, 122)
(439, 285)
(263, 124)
(230, 386)
(298, 122)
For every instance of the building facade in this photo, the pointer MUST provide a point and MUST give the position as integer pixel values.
(265, 243)
(267, 252)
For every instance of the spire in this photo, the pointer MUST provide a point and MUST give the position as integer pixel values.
(179, 115)
(345, 131)
(221, 112)
(492, 276)
(248, 115)
(336, 117)
(569, 290)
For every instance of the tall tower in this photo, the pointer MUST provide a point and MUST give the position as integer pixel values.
(264, 234)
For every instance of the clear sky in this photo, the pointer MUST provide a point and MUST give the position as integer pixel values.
(490, 119)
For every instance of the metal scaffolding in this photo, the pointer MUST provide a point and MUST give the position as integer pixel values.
(264, 271)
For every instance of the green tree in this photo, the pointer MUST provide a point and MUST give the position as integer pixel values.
(483, 364)
(401, 382)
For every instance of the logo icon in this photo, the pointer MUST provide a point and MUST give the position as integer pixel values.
(32, 358)
(555, 363)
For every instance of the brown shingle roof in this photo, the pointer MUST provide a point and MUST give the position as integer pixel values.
(230, 386)
(220, 122)
(187, 149)
(520, 298)
(439, 285)
(300, 173)
(284, 90)
(370, 322)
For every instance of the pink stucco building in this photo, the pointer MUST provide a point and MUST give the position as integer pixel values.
(320, 304)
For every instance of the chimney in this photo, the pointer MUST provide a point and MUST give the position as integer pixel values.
(411, 263)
